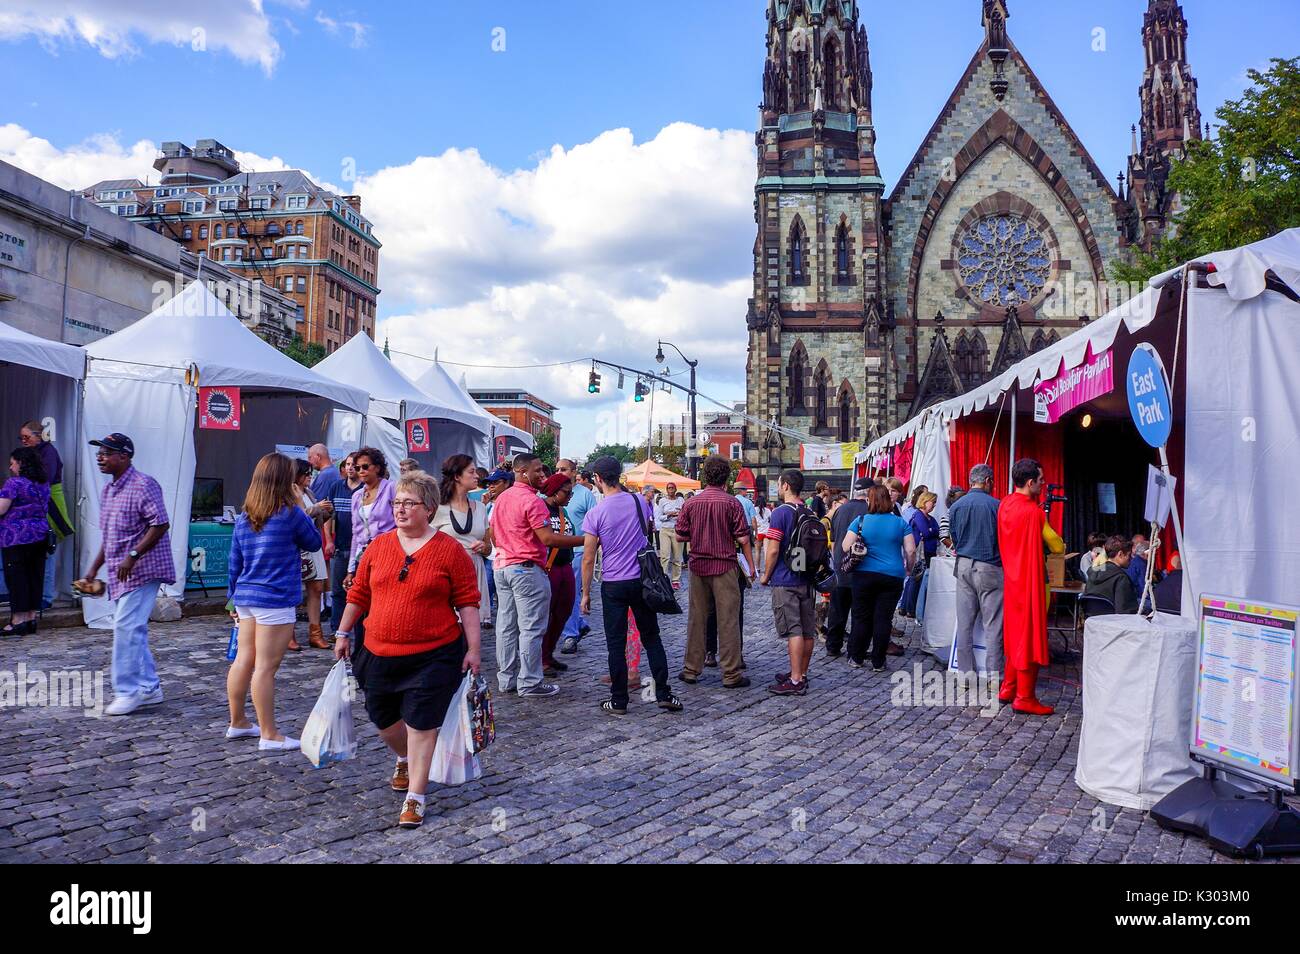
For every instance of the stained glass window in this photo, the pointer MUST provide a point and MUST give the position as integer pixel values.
(1003, 260)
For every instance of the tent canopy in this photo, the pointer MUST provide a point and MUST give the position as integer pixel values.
(32, 351)
(360, 361)
(648, 472)
(194, 329)
(438, 384)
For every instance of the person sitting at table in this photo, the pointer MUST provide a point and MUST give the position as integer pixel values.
(1110, 580)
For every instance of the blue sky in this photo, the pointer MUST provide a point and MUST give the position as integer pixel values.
(386, 84)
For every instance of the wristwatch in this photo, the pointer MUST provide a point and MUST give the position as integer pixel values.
(341, 634)
(134, 554)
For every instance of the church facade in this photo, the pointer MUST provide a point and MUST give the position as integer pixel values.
(872, 302)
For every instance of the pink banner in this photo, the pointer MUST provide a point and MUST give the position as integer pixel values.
(1079, 385)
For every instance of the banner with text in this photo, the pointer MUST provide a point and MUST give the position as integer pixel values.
(1055, 398)
(827, 456)
(219, 409)
(417, 435)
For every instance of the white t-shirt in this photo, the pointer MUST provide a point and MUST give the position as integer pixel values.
(666, 511)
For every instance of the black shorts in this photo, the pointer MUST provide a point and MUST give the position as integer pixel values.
(415, 689)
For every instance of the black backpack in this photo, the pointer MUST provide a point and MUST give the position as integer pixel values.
(655, 586)
(807, 553)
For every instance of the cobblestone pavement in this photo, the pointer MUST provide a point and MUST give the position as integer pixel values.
(839, 774)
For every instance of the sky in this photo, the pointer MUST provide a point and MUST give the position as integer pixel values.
(550, 181)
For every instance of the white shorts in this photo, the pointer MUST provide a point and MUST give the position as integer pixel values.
(269, 615)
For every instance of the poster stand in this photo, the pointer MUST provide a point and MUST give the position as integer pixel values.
(1243, 724)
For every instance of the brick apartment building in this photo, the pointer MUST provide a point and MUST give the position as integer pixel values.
(520, 409)
(719, 432)
(281, 227)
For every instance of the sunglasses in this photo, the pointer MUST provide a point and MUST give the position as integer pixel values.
(361, 466)
(406, 568)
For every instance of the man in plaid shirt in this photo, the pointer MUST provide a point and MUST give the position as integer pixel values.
(137, 549)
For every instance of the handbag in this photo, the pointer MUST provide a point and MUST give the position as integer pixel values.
(656, 588)
(480, 726)
(850, 557)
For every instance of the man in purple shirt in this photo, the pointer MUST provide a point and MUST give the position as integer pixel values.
(621, 525)
(138, 552)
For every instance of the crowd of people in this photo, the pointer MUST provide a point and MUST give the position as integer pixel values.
(413, 570)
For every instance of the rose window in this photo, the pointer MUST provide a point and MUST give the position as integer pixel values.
(1003, 260)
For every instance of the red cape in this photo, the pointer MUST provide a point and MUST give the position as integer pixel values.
(1024, 574)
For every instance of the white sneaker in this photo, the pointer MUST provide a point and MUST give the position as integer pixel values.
(284, 745)
(152, 698)
(123, 705)
(233, 733)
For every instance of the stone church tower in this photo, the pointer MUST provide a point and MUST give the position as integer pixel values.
(996, 240)
(1170, 117)
(818, 328)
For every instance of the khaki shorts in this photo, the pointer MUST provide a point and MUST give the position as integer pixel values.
(793, 611)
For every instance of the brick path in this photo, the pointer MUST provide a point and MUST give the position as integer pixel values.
(839, 774)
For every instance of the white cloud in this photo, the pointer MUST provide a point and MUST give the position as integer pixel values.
(358, 30)
(600, 249)
(99, 157)
(116, 27)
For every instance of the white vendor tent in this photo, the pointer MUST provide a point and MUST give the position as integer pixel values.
(143, 381)
(396, 399)
(41, 380)
(1227, 326)
(436, 382)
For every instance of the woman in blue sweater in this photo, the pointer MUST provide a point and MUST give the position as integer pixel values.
(265, 590)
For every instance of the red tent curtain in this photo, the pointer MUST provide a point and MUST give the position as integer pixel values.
(969, 445)
(902, 464)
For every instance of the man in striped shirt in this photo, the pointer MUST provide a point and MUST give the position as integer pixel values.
(714, 523)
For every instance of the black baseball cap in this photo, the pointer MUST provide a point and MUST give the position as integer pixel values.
(116, 442)
(863, 483)
(608, 469)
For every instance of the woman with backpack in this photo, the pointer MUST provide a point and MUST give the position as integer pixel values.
(878, 577)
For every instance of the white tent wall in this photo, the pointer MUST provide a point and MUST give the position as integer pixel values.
(35, 394)
(1242, 448)
(386, 438)
(931, 464)
(158, 416)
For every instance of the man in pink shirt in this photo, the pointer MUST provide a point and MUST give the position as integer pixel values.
(521, 532)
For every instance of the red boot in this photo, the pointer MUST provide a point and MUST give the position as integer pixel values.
(1026, 701)
(1007, 691)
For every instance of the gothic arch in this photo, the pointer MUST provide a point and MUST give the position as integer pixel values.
(842, 252)
(797, 254)
(797, 378)
(971, 356)
(847, 409)
(831, 74)
(1038, 342)
(821, 395)
(1001, 128)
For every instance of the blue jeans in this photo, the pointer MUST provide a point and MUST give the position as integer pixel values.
(921, 592)
(523, 610)
(133, 669)
(573, 628)
(47, 592)
(338, 595)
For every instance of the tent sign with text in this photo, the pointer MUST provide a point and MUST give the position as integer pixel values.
(219, 409)
(417, 435)
(827, 456)
(1079, 385)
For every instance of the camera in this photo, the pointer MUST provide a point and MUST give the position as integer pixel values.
(1055, 494)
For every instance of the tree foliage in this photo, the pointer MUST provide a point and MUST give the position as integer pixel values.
(621, 452)
(544, 446)
(1239, 187)
(303, 353)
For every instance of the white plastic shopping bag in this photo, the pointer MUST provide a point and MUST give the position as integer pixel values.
(454, 761)
(329, 736)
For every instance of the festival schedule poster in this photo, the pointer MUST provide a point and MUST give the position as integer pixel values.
(1246, 682)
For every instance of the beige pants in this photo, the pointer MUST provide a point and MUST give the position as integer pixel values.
(709, 593)
(670, 553)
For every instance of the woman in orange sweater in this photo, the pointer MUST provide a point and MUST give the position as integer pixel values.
(418, 592)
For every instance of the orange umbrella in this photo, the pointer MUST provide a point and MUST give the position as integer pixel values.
(653, 474)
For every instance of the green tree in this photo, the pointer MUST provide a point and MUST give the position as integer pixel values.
(672, 456)
(308, 354)
(621, 452)
(544, 447)
(1241, 186)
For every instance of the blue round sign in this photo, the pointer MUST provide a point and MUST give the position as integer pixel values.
(1148, 396)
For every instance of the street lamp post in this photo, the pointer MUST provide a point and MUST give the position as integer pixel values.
(691, 450)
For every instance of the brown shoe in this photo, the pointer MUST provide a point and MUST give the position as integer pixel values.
(293, 646)
(894, 650)
(401, 779)
(316, 638)
(412, 814)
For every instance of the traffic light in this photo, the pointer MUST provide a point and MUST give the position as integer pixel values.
(642, 389)
(593, 382)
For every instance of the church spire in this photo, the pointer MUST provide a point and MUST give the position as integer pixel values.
(994, 21)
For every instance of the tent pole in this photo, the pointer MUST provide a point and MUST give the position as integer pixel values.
(1011, 460)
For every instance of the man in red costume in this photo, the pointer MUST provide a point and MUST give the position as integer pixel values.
(1022, 531)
